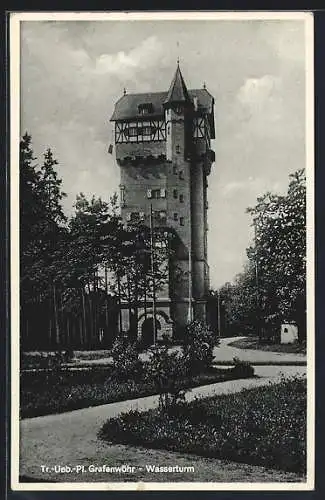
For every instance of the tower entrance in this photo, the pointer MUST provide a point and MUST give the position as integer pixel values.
(147, 338)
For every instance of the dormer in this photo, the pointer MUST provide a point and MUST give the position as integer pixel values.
(145, 108)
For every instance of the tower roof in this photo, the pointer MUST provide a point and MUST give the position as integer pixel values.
(177, 91)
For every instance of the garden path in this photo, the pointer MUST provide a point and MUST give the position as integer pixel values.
(223, 353)
(71, 439)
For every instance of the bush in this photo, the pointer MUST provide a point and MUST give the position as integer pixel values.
(166, 370)
(262, 426)
(126, 361)
(199, 342)
(242, 369)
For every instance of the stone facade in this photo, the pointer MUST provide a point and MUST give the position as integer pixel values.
(162, 144)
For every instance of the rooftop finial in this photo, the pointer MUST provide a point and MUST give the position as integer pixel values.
(178, 61)
(204, 85)
(124, 91)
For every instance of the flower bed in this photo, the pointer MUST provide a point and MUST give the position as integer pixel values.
(59, 390)
(262, 426)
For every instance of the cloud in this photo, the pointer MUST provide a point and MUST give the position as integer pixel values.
(125, 64)
(74, 72)
(256, 91)
(261, 102)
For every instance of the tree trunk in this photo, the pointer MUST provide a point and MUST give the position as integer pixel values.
(106, 306)
(84, 332)
(119, 304)
(56, 319)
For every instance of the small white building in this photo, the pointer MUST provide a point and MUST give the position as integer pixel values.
(289, 333)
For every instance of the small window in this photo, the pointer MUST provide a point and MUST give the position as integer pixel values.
(160, 215)
(145, 108)
(175, 169)
(175, 193)
(181, 175)
(181, 221)
(178, 149)
(146, 131)
(181, 198)
(175, 216)
(132, 131)
(158, 193)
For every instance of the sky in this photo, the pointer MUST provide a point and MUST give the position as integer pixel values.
(72, 73)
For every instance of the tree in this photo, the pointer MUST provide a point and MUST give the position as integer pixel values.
(279, 252)
(238, 303)
(140, 266)
(41, 228)
(199, 341)
(93, 241)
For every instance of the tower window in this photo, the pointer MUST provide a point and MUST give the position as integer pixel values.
(160, 215)
(175, 193)
(181, 198)
(181, 221)
(156, 193)
(175, 216)
(178, 149)
(181, 175)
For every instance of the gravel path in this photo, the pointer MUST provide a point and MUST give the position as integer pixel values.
(225, 352)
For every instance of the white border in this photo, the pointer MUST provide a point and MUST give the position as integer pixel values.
(15, 19)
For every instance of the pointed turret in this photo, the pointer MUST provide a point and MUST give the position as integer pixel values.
(178, 92)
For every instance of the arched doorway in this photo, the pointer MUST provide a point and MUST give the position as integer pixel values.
(147, 332)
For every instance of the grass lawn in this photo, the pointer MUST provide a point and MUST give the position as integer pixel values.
(46, 359)
(253, 343)
(264, 426)
(57, 391)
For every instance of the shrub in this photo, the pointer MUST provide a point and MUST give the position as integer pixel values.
(242, 369)
(126, 361)
(166, 370)
(262, 426)
(198, 345)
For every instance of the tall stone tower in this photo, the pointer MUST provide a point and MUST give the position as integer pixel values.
(162, 144)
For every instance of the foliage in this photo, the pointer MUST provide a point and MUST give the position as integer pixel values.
(272, 287)
(166, 369)
(254, 343)
(242, 368)
(199, 341)
(126, 361)
(49, 391)
(280, 253)
(262, 426)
